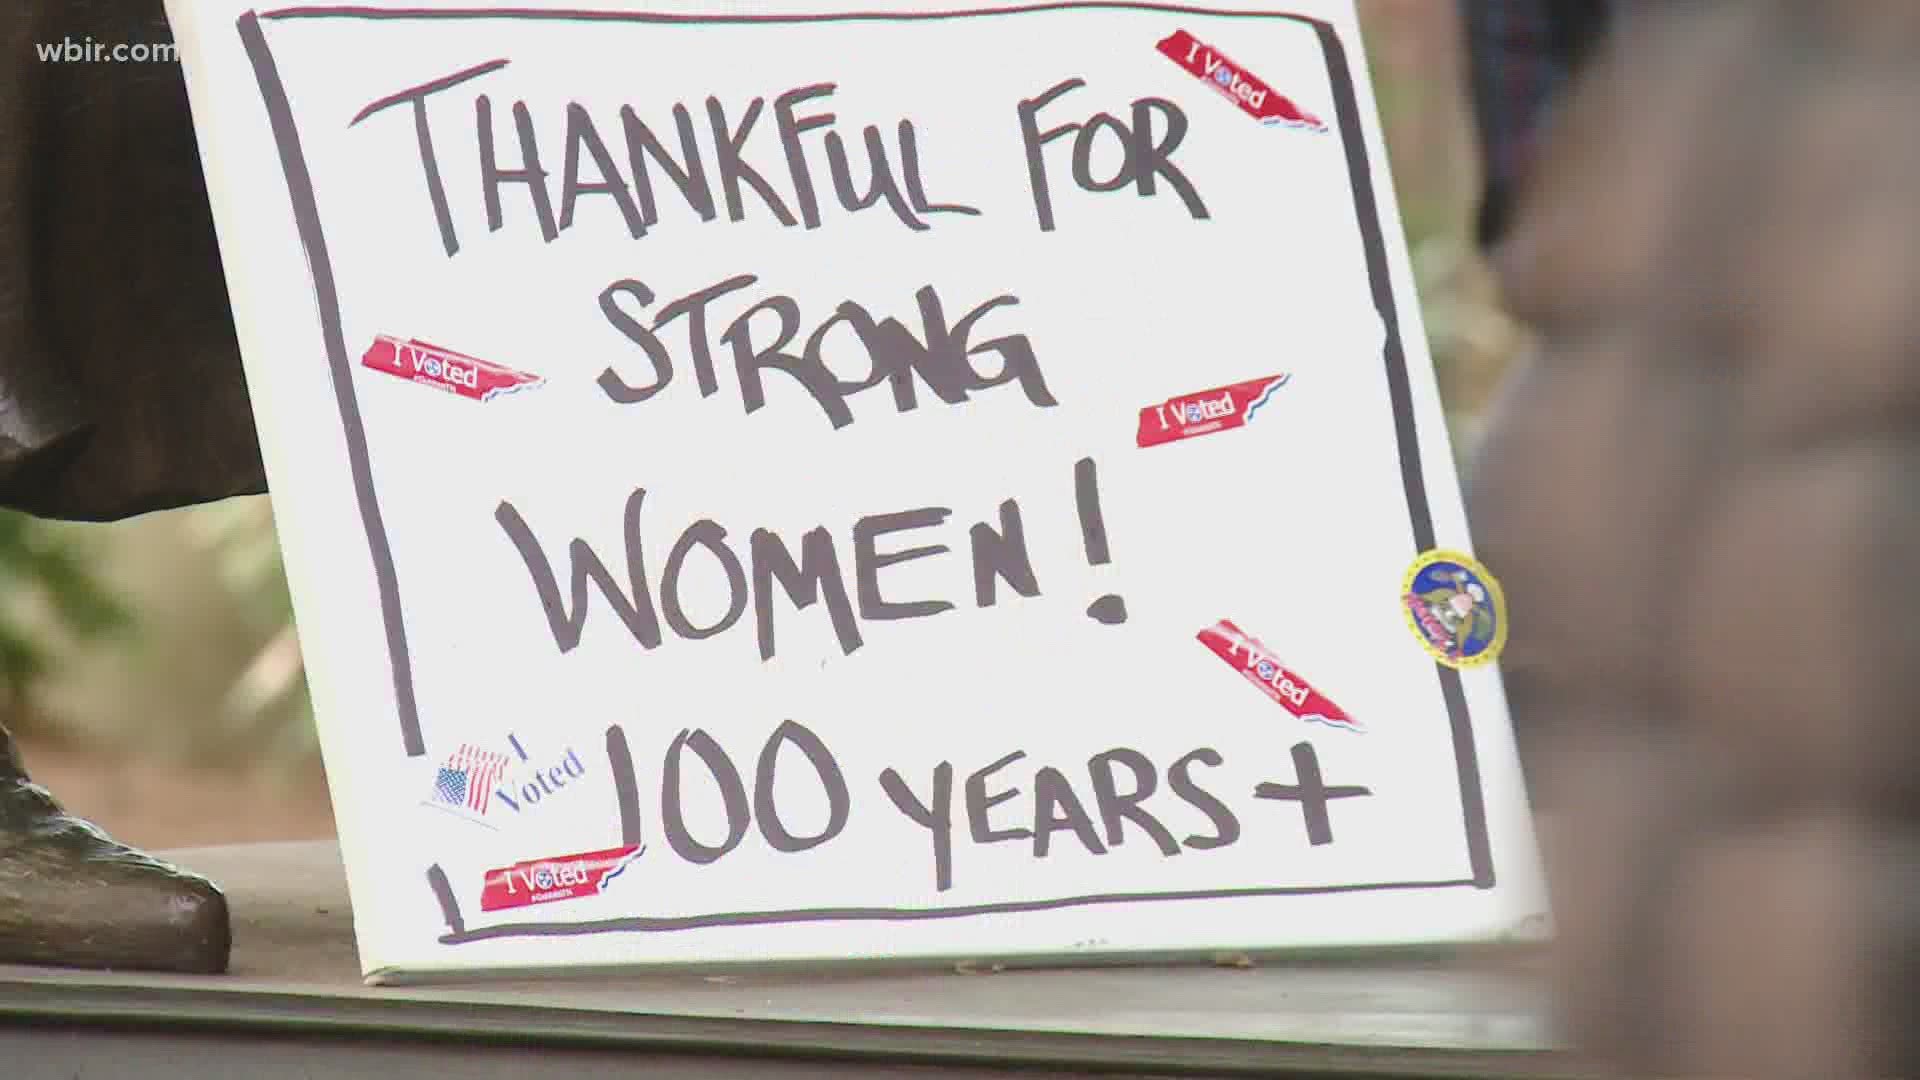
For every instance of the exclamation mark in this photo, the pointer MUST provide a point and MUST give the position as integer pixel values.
(1109, 610)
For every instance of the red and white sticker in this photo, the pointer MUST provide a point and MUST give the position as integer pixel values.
(1259, 666)
(563, 877)
(444, 369)
(1206, 411)
(1256, 98)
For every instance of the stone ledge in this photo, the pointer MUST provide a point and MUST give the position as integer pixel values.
(295, 970)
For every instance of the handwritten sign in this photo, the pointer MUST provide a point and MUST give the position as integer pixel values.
(768, 483)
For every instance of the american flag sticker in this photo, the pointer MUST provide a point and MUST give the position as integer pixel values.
(465, 781)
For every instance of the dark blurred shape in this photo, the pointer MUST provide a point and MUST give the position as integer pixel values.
(1521, 54)
(1703, 497)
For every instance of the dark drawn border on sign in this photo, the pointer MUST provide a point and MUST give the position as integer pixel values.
(656, 924)
(1413, 480)
(306, 214)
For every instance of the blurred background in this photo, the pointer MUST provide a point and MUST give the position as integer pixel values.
(150, 669)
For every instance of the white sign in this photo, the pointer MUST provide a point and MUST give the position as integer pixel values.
(762, 483)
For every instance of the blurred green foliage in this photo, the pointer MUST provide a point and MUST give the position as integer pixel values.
(1414, 54)
(268, 706)
(47, 584)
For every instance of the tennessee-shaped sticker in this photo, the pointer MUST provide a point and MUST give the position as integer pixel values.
(444, 369)
(1205, 412)
(1258, 665)
(562, 877)
(1237, 84)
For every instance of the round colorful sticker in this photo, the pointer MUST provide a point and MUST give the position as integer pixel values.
(1455, 608)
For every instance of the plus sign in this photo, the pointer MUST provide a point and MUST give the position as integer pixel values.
(1312, 793)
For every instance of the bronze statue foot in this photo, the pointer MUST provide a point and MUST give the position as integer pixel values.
(70, 896)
